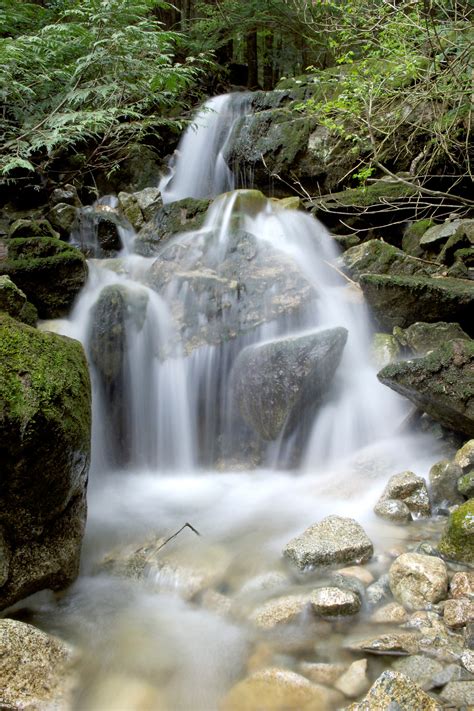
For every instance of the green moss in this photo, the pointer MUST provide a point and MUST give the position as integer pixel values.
(378, 257)
(412, 236)
(457, 541)
(50, 272)
(466, 484)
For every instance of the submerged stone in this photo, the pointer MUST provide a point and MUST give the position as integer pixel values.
(276, 383)
(333, 540)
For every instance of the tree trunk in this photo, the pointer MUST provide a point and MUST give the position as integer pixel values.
(252, 59)
(268, 61)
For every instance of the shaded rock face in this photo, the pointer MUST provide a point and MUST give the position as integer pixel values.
(377, 257)
(333, 540)
(166, 221)
(45, 419)
(403, 300)
(441, 384)
(420, 338)
(457, 541)
(118, 316)
(50, 272)
(96, 232)
(35, 668)
(275, 383)
(213, 300)
(14, 302)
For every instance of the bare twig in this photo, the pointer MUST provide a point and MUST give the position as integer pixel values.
(186, 525)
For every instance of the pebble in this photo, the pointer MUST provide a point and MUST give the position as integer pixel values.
(330, 602)
(393, 510)
(354, 681)
(462, 585)
(359, 572)
(457, 613)
(397, 643)
(417, 580)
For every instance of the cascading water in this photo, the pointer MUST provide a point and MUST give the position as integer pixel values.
(163, 335)
(198, 168)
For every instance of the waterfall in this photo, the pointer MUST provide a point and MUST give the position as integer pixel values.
(198, 168)
(172, 442)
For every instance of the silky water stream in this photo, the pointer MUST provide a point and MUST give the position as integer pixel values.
(169, 628)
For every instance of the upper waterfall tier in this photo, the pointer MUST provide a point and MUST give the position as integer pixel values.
(198, 167)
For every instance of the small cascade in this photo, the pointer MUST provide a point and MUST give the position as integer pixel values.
(101, 231)
(198, 168)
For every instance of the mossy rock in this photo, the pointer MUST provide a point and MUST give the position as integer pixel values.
(13, 301)
(466, 485)
(45, 422)
(457, 541)
(175, 217)
(375, 195)
(50, 272)
(440, 384)
(419, 338)
(32, 228)
(378, 257)
(403, 300)
(412, 236)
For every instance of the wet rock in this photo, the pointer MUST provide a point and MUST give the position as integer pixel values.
(264, 583)
(397, 691)
(404, 300)
(457, 541)
(184, 571)
(420, 669)
(458, 613)
(280, 611)
(175, 217)
(467, 660)
(378, 257)
(384, 350)
(27, 228)
(462, 585)
(322, 673)
(276, 383)
(45, 423)
(464, 457)
(466, 485)
(412, 236)
(421, 338)
(408, 489)
(140, 207)
(393, 613)
(443, 478)
(359, 572)
(67, 194)
(458, 693)
(398, 644)
(354, 681)
(14, 302)
(50, 272)
(461, 239)
(35, 668)
(379, 591)
(437, 235)
(393, 510)
(281, 690)
(330, 602)
(417, 580)
(469, 635)
(441, 384)
(333, 540)
(63, 216)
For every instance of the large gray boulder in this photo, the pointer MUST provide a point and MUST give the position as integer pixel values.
(45, 420)
(333, 540)
(276, 383)
(440, 384)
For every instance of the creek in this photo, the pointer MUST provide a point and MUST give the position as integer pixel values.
(170, 446)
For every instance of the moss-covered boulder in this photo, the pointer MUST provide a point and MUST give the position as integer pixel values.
(377, 257)
(412, 236)
(403, 300)
(14, 302)
(50, 272)
(457, 541)
(420, 338)
(26, 227)
(441, 384)
(45, 419)
(180, 216)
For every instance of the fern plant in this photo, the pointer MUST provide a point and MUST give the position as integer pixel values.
(102, 72)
